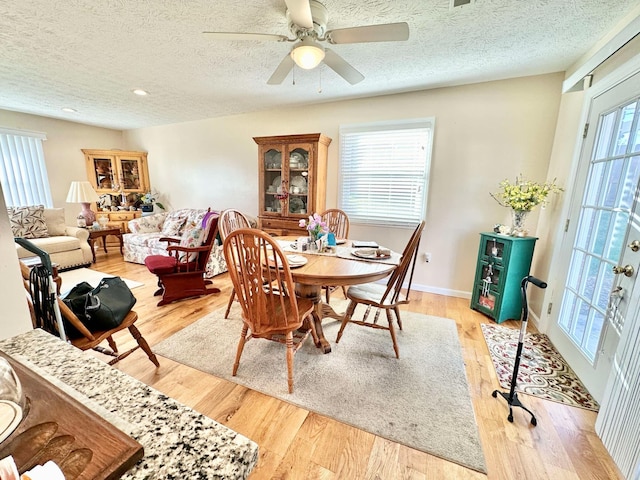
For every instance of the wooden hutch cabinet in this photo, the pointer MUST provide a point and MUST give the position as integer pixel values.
(292, 180)
(121, 174)
(502, 264)
(116, 171)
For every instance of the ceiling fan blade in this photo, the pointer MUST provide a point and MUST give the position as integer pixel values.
(281, 72)
(387, 32)
(246, 36)
(341, 67)
(300, 13)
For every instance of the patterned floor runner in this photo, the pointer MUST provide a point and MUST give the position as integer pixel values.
(542, 373)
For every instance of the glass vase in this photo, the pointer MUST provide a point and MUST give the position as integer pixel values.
(518, 218)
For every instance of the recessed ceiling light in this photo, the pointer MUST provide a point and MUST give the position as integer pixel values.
(70, 110)
(139, 91)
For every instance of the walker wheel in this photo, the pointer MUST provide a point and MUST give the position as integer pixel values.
(510, 418)
(494, 394)
(534, 422)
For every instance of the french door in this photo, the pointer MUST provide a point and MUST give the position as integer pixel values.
(598, 283)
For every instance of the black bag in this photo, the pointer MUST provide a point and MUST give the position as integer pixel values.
(76, 300)
(100, 308)
(109, 303)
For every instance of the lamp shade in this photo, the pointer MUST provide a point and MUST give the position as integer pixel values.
(307, 54)
(82, 192)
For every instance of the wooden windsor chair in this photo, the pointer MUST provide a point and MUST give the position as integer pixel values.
(387, 297)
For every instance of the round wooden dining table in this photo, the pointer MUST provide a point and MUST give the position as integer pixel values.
(335, 271)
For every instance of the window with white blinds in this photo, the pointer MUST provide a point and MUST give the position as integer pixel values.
(23, 173)
(384, 172)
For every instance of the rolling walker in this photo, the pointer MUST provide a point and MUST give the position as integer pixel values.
(512, 396)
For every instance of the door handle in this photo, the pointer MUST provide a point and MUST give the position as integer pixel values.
(635, 245)
(627, 270)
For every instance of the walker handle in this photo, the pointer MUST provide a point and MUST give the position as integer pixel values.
(536, 281)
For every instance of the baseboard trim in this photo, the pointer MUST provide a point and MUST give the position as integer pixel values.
(441, 291)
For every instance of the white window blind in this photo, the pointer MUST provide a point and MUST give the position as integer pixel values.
(23, 172)
(384, 172)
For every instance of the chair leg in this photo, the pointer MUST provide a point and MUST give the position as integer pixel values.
(143, 344)
(344, 291)
(243, 339)
(231, 299)
(112, 344)
(328, 293)
(289, 343)
(392, 332)
(347, 316)
(397, 310)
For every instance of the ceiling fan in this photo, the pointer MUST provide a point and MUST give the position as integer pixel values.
(307, 23)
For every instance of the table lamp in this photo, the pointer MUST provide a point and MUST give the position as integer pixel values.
(83, 193)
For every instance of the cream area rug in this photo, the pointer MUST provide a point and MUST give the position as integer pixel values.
(542, 371)
(71, 278)
(421, 400)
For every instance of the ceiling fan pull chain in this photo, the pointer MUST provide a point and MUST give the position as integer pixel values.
(319, 81)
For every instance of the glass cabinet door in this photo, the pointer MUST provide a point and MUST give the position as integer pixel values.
(298, 175)
(273, 181)
(130, 175)
(104, 174)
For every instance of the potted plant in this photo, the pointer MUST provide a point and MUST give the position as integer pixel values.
(148, 200)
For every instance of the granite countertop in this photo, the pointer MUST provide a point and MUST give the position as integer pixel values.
(178, 441)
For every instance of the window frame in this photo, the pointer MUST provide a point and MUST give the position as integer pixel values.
(384, 127)
(23, 170)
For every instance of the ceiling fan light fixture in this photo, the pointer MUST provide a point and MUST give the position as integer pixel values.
(307, 54)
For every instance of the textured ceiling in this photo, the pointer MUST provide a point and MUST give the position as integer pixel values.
(90, 54)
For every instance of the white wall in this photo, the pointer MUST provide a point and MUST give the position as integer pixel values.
(15, 316)
(484, 133)
(65, 163)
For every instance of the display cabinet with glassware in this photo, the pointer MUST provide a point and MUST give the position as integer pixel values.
(292, 180)
(117, 172)
(503, 262)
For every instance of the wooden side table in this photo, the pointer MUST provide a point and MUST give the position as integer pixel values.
(103, 233)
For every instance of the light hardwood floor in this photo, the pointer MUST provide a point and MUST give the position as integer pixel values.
(298, 444)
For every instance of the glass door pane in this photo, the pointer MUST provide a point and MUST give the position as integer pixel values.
(298, 180)
(604, 215)
(272, 179)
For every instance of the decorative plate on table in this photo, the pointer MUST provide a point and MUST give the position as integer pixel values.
(296, 260)
(369, 254)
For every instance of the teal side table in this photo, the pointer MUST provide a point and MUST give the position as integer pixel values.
(503, 262)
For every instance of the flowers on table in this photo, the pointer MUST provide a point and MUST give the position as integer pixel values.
(316, 227)
(150, 198)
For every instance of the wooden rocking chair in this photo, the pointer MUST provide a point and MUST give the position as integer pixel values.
(182, 273)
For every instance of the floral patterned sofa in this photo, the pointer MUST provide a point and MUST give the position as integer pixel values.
(146, 233)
